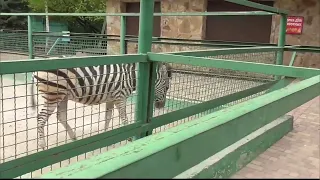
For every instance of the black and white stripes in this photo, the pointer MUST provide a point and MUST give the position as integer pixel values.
(110, 84)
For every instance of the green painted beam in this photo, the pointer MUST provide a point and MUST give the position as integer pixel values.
(250, 13)
(226, 51)
(297, 72)
(171, 152)
(21, 66)
(230, 160)
(259, 6)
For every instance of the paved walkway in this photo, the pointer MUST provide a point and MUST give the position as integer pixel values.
(297, 155)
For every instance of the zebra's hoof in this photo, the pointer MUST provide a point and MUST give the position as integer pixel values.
(42, 146)
(74, 138)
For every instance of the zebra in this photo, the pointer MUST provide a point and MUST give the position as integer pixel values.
(111, 84)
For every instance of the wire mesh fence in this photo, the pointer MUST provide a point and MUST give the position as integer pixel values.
(192, 85)
(80, 92)
(14, 41)
(189, 85)
(52, 44)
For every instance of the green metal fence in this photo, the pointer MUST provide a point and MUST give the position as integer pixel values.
(206, 81)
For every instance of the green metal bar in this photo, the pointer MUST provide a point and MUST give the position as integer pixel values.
(293, 58)
(259, 6)
(281, 84)
(123, 35)
(151, 90)
(312, 49)
(225, 51)
(186, 43)
(158, 40)
(207, 105)
(145, 73)
(282, 40)
(297, 72)
(48, 64)
(30, 38)
(248, 13)
(54, 44)
(171, 152)
(132, 38)
(26, 164)
(253, 13)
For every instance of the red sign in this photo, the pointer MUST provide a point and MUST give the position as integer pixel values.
(294, 25)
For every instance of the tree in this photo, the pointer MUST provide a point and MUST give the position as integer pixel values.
(88, 24)
(13, 22)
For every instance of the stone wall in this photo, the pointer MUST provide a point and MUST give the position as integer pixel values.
(194, 27)
(184, 27)
(310, 10)
(113, 24)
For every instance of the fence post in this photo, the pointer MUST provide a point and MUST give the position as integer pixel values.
(281, 40)
(123, 35)
(146, 71)
(30, 38)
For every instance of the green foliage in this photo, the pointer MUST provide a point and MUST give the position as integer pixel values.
(87, 24)
(13, 22)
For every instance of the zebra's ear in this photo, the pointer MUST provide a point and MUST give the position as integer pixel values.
(169, 69)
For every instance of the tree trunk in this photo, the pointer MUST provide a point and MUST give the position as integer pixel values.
(47, 26)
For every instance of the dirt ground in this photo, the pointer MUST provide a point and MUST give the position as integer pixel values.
(11, 57)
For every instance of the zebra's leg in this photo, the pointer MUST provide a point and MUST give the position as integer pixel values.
(42, 118)
(109, 110)
(121, 106)
(62, 117)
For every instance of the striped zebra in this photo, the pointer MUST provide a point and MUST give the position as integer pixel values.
(110, 84)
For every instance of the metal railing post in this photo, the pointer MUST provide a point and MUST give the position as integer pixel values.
(281, 40)
(146, 71)
(30, 38)
(123, 35)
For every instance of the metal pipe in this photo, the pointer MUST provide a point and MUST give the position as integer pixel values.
(30, 38)
(123, 35)
(146, 71)
(281, 41)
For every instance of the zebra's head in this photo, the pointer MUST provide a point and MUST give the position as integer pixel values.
(164, 75)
